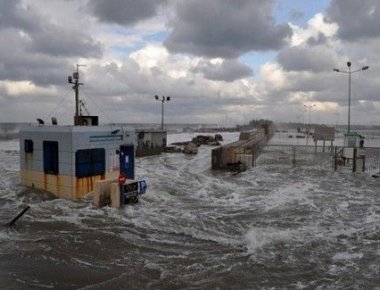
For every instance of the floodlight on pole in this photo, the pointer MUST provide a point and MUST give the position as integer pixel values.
(350, 72)
(162, 99)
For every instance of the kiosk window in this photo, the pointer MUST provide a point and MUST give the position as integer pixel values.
(28, 146)
(51, 157)
(90, 162)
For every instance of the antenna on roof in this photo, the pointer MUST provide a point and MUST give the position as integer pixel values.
(74, 79)
(82, 104)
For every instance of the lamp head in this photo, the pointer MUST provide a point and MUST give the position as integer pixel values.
(348, 63)
(365, 67)
(335, 69)
(168, 98)
(156, 97)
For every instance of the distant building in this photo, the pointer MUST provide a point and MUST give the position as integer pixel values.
(150, 142)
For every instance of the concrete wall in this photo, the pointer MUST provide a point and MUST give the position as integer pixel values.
(241, 151)
(256, 134)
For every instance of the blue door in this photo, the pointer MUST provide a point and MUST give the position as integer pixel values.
(127, 161)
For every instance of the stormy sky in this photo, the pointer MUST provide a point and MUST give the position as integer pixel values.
(221, 61)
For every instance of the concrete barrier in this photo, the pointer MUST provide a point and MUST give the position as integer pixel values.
(110, 193)
(242, 152)
(102, 192)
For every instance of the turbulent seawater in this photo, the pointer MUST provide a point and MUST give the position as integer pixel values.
(267, 228)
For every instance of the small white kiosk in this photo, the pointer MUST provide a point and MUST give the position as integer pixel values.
(352, 140)
(69, 160)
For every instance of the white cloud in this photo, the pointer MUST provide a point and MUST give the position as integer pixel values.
(273, 76)
(316, 26)
(128, 61)
(151, 56)
(17, 88)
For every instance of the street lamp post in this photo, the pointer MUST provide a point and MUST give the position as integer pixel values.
(308, 126)
(163, 99)
(350, 72)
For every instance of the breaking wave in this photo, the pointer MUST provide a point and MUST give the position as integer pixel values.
(266, 228)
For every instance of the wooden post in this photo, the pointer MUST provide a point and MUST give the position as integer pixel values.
(294, 156)
(18, 216)
(363, 163)
(336, 158)
(354, 160)
(315, 146)
(115, 195)
(253, 155)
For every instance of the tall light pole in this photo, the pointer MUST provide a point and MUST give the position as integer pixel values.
(308, 126)
(350, 72)
(163, 99)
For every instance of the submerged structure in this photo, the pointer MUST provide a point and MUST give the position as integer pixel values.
(150, 142)
(241, 154)
(68, 160)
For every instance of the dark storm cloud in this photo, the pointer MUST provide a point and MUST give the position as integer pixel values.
(34, 48)
(17, 64)
(224, 28)
(191, 100)
(320, 39)
(356, 19)
(306, 58)
(56, 41)
(228, 70)
(13, 14)
(124, 12)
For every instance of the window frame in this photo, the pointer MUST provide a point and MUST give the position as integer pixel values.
(90, 162)
(51, 157)
(28, 146)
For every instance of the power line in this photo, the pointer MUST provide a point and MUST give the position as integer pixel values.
(58, 104)
(99, 108)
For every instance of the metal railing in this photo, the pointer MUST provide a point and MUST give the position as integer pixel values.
(319, 157)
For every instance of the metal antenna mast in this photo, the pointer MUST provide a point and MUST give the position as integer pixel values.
(74, 79)
(83, 105)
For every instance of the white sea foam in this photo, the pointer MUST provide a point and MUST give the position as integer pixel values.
(289, 195)
(190, 211)
(257, 238)
(345, 256)
(4, 236)
(79, 261)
